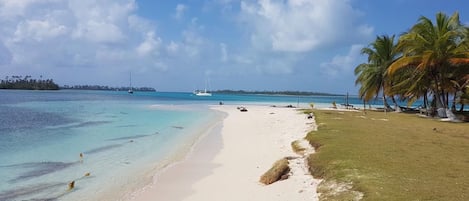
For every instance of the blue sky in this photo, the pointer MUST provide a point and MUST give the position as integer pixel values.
(306, 45)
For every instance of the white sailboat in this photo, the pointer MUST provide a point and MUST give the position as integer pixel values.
(131, 91)
(204, 92)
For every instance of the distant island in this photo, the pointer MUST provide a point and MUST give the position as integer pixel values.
(106, 88)
(27, 83)
(289, 93)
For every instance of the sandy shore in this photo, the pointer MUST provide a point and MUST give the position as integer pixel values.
(227, 164)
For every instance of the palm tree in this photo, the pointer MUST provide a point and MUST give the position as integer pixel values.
(435, 51)
(372, 76)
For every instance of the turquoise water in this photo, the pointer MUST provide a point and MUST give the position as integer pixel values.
(43, 133)
(124, 138)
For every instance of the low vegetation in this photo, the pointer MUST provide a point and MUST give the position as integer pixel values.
(278, 171)
(389, 156)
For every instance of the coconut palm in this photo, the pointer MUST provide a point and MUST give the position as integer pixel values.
(437, 51)
(372, 76)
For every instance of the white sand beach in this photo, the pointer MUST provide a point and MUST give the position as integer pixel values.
(227, 164)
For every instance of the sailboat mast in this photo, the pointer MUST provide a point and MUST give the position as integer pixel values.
(130, 87)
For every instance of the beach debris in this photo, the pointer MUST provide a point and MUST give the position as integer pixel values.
(87, 174)
(71, 185)
(278, 171)
(242, 109)
(178, 127)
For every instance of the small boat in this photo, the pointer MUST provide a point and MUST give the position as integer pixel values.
(204, 92)
(130, 88)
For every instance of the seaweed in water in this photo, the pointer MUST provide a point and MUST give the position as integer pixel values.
(89, 123)
(101, 149)
(18, 193)
(128, 137)
(39, 169)
(126, 126)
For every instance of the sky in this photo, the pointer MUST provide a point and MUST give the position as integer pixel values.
(275, 45)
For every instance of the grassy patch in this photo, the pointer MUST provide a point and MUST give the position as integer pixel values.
(392, 156)
(278, 171)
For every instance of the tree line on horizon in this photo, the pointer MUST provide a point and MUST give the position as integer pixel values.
(28, 83)
(106, 88)
(430, 61)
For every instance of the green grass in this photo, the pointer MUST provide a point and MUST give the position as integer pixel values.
(392, 156)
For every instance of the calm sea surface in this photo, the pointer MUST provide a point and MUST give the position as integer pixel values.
(123, 138)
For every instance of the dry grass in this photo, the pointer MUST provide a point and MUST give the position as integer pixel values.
(391, 156)
(278, 171)
(297, 148)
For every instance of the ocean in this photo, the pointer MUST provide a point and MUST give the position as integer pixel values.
(106, 141)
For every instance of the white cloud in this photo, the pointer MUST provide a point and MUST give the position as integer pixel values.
(140, 24)
(301, 25)
(101, 21)
(5, 55)
(149, 45)
(223, 52)
(100, 32)
(173, 47)
(18, 8)
(192, 42)
(179, 11)
(53, 34)
(38, 30)
(343, 64)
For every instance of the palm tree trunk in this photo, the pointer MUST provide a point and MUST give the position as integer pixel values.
(453, 106)
(425, 102)
(385, 102)
(425, 99)
(397, 108)
(439, 96)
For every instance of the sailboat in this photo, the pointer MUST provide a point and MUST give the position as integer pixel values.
(130, 89)
(204, 92)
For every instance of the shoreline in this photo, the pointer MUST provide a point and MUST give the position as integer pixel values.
(207, 138)
(138, 178)
(226, 163)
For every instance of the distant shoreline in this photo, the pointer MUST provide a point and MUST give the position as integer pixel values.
(106, 88)
(289, 93)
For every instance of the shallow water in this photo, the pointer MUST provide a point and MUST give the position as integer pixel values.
(41, 140)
